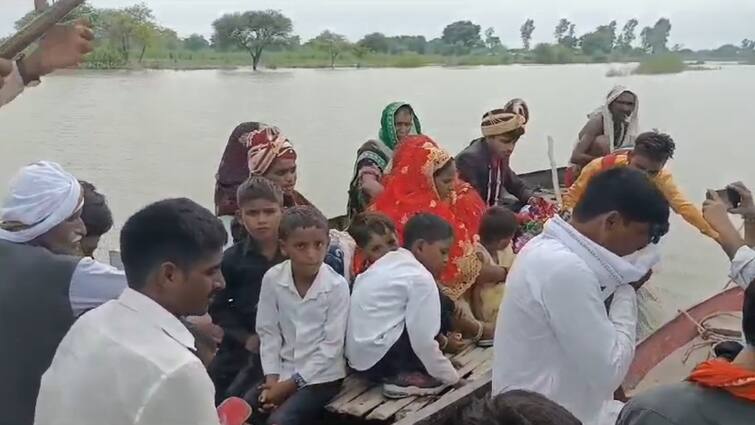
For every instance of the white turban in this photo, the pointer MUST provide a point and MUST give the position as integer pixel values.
(41, 196)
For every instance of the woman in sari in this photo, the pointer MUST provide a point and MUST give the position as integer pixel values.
(373, 158)
(423, 179)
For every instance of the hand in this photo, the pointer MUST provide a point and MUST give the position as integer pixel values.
(6, 67)
(278, 392)
(62, 46)
(454, 343)
(747, 206)
(253, 344)
(716, 212)
(266, 407)
(637, 285)
(371, 187)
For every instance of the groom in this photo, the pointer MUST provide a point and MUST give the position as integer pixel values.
(554, 335)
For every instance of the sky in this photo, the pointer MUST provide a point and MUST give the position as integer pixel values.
(696, 24)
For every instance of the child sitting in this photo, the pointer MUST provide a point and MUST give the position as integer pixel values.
(497, 229)
(97, 218)
(375, 236)
(301, 321)
(235, 308)
(396, 313)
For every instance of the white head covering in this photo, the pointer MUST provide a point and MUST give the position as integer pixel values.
(41, 196)
(632, 126)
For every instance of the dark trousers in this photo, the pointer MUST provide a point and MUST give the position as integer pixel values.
(304, 407)
(234, 372)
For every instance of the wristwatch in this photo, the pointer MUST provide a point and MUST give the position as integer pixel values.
(29, 80)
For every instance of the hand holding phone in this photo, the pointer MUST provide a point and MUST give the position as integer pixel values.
(730, 197)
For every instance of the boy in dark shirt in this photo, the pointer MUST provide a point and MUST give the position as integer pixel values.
(235, 308)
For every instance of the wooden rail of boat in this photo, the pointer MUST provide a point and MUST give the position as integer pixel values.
(677, 333)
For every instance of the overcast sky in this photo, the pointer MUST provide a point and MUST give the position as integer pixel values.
(695, 23)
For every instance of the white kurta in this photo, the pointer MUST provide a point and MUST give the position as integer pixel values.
(554, 335)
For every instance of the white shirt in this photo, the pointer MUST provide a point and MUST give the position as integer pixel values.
(553, 334)
(13, 85)
(743, 267)
(303, 335)
(94, 283)
(126, 362)
(396, 293)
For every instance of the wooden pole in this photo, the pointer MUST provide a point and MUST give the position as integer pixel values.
(37, 27)
(554, 172)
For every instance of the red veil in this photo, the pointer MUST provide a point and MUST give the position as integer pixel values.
(410, 189)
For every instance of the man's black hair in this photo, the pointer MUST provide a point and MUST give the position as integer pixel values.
(516, 408)
(96, 215)
(301, 217)
(179, 231)
(497, 223)
(628, 191)
(427, 227)
(748, 315)
(655, 145)
(367, 224)
(258, 187)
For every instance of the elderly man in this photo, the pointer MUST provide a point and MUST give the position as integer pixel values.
(45, 284)
(609, 128)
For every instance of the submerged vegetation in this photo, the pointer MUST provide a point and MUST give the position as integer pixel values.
(131, 37)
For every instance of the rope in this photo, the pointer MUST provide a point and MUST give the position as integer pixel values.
(711, 336)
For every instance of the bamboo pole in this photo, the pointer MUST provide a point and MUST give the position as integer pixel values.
(554, 172)
(37, 27)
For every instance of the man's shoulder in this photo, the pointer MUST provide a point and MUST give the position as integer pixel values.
(474, 149)
(548, 260)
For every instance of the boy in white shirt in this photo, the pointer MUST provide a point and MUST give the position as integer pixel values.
(396, 313)
(301, 322)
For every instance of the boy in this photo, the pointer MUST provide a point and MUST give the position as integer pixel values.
(131, 360)
(301, 321)
(97, 218)
(375, 236)
(244, 264)
(396, 313)
(497, 229)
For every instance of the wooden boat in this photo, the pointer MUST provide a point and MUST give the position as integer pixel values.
(670, 353)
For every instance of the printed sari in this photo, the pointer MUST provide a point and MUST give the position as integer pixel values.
(410, 189)
(374, 157)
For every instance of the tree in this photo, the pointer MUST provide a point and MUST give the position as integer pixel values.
(257, 30)
(748, 44)
(627, 37)
(600, 41)
(375, 42)
(561, 29)
(492, 41)
(526, 30)
(83, 11)
(196, 42)
(410, 43)
(655, 39)
(464, 34)
(360, 52)
(222, 37)
(332, 43)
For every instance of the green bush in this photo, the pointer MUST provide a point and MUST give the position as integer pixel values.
(553, 54)
(104, 57)
(663, 63)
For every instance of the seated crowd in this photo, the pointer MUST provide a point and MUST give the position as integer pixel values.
(425, 266)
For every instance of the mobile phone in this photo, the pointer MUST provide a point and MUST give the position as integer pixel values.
(731, 197)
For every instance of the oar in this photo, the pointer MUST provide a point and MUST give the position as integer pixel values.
(37, 27)
(554, 172)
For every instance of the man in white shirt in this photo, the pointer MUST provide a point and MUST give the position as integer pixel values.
(395, 314)
(554, 335)
(62, 47)
(131, 361)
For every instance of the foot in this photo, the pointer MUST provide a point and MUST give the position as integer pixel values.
(488, 332)
(455, 343)
(411, 384)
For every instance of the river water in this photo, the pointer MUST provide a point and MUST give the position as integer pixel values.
(142, 136)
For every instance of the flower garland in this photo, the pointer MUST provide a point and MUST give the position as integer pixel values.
(531, 219)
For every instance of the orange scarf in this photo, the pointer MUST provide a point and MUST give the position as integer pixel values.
(726, 376)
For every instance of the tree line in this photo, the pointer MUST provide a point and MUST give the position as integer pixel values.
(125, 35)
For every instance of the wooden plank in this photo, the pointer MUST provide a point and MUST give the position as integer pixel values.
(448, 403)
(481, 370)
(351, 390)
(389, 408)
(467, 357)
(363, 404)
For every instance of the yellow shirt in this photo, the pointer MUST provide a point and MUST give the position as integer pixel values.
(679, 203)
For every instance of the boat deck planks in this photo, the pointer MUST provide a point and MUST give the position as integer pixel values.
(363, 400)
